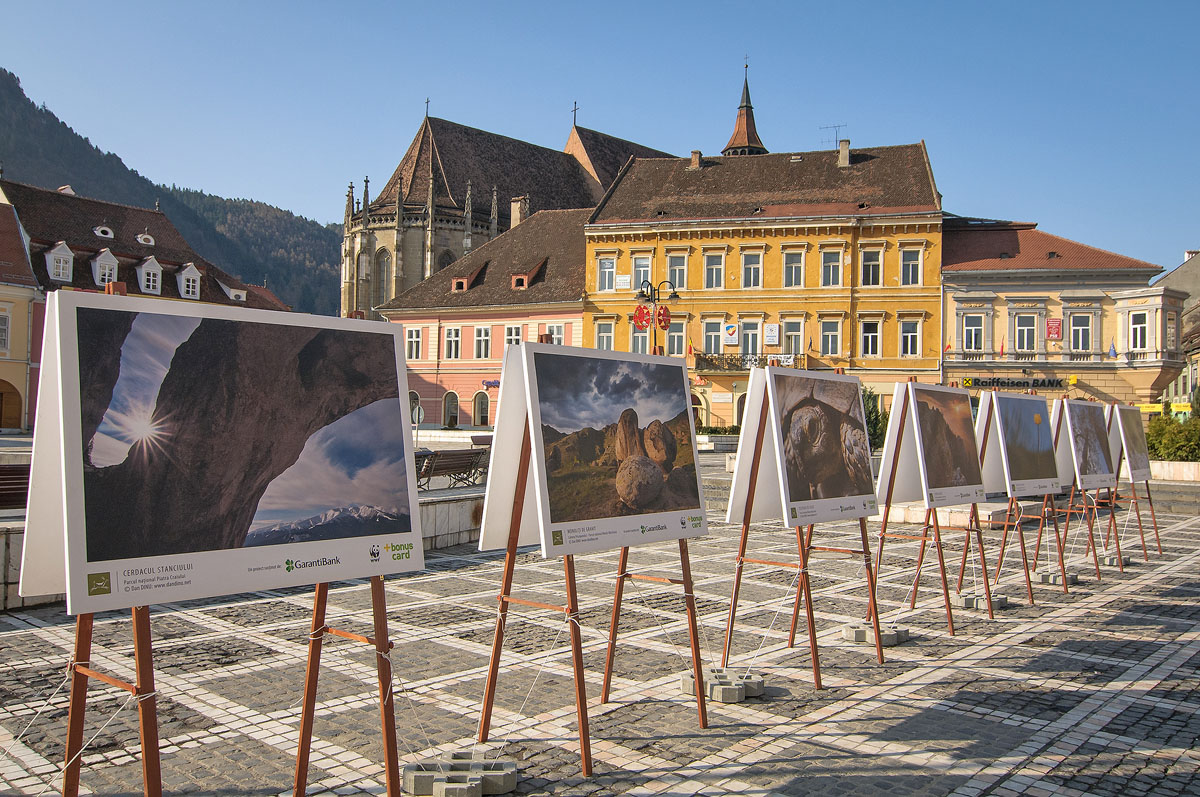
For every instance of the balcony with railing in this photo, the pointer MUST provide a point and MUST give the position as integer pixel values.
(744, 362)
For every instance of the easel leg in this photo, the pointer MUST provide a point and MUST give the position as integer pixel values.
(872, 605)
(612, 627)
(805, 588)
(1024, 562)
(737, 586)
(307, 713)
(1037, 548)
(962, 567)
(1008, 517)
(585, 744)
(1112, 528)
(1153, 518)
(1137, 511)
(921, 558)
(1091, 526)
(937, 544)
(78, 704)
(689, 597)
(987, 590)
(143, 662)
(1061, 541)
(387, 708)
(879, 551)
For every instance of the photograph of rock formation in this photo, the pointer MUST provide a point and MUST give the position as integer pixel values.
(1089, 438)
(204, 434)
(1133, 436)
(1028, 438)
(617, 437)
(826, 452)
(947, 435)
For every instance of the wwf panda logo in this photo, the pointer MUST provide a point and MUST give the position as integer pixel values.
(374, 553)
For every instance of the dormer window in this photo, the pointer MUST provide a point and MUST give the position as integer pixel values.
(519, 283)
(146, 239)
(149, 274)
(104, 268)
(103, 231)
(189, 281)
(459, 286)
(236, 294)
(60, 262)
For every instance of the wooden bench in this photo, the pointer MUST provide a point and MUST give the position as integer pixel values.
(14, 486)
(462, 466)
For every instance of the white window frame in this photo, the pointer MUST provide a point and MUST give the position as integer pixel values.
(677, 272)
(828, 335)
(451, 343)
(750, 337)
(878, 267)
(605, 336)
(60, 263)
(835, 266)
(557, 333)
(714, 275)
(412, 343)
(793, 272)
(5, 325)
(1139, 334)
(513, 334)
(971, 332)
(642, 269)
(150, 281)
(714, 334)
(606, 272)
(1085, 328)
(191, 286)
(752, 272)
(915, 335)
(793, 336)
(1025, 332)
(676, 346)
(483, 343)
(639, 340)
(872, 337)
(913, 279)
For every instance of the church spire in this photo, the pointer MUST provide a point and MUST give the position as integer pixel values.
(467, 221)
(745, 140)
(349, 203)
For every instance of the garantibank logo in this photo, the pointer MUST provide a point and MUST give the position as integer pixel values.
(659, 527)
(324, 561)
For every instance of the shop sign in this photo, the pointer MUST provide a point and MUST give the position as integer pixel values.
(722, 398)
(730, 336)
(1007, 383)
(1053, 329)
(771, 334)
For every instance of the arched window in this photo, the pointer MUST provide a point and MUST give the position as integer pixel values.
(445, 259)
(697, 410)
(450, 410)
(741, 408)
(479, 409)
(414, 403)
(364, 266)
(383, 276)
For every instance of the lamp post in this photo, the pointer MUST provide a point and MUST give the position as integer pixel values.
(651, 294)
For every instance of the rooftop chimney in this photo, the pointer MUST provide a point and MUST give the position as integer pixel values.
(695, 159)
(1190, 253)
(519, 211)
(843, 153)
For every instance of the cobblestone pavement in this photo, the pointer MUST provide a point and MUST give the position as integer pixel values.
(1095, 692)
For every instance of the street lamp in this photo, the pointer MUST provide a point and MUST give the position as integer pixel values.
(651, 294)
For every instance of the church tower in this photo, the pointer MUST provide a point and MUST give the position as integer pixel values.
(745, 140)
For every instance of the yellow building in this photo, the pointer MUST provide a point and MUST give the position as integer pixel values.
(816, 259)
(22, 311)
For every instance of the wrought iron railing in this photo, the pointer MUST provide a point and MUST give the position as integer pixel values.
(744, 362)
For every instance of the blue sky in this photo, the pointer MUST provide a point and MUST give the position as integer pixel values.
(1080, 116)
(579, 392)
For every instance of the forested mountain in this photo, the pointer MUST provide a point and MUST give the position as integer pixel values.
(295, 257)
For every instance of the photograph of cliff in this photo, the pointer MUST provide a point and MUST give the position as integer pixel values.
(204, 434)
(617, 437)
(947, 435)
(1089, 438)
(1133, 436)
(1028, 438)
(826, 453)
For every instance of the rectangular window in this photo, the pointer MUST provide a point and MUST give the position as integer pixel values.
(412, 344)
(639, 340)
(191, 287)
(714, 271)
(793, 342)
(675, 340)
(831, 342)
(1171, 336)
(514, 334)
(712, 337)
(483, 343)
(641, 271)
(557, 333)
(1025, 332)
(972, 333)
(3, 331)
(604, 336)
(606, 272)
(910, 267)
(1138, 327)
(910, 341)
(108, 273)
(62, 268)
(677, 271)
(751, 269)
(870, 339)
(1081, 332)
(150, 278)
(793, 269)
(831, 267)
(872, 260)
(750, 337)
(453, 338)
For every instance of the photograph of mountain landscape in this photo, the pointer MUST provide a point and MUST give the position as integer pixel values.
(1089, 444)
(946, 432)
(206, 433)
(617, 437)
(1028, 438)
(825, 449)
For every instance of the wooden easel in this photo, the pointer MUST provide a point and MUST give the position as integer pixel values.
(142, 689)
(1016, 516)
(1071, 508)
(804, 546)
(571, 610)
(383, 665)
(1115, 500)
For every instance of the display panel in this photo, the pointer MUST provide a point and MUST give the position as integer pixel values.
(1089, 445)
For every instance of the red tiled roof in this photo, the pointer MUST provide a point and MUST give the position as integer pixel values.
(548, 245)
(985, 245)
(14, 262)
(879, 180)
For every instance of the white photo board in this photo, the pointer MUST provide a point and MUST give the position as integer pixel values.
(1127, 436)
(938, 460)
(1087, 435)
(1016, 443)
(815, 461)
(613, 451)
(195, 450)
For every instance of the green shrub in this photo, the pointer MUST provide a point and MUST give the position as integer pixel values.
(1173, 440)
(877, 419)
(718, 429)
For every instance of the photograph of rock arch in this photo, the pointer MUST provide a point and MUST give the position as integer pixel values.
(946, 431)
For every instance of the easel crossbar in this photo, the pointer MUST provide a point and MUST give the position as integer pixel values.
(356, 637)
(793, 565)
(108, 679)
(534, 604)
(826, 549)
(655, 579)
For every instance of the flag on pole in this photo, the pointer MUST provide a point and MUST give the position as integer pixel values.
(1002, 346)
(1112, 348)
(690, 349)
(948, 344)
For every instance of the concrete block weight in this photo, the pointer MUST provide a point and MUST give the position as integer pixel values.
(461, 774)
(980, 602)
(1055, 578)
(861, 633)
(724, 685)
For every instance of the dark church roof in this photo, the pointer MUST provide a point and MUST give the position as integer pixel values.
(604, 155)
(547, 249)
(878, 181)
